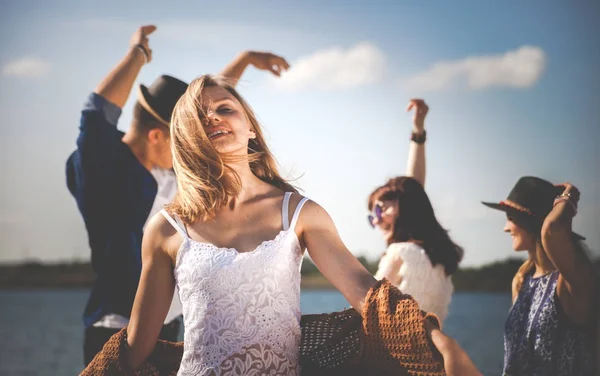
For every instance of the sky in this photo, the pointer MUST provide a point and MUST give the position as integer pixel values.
(513, 89)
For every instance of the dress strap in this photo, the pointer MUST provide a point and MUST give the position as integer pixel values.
(176, 223)
(285, 211)
(297, 212)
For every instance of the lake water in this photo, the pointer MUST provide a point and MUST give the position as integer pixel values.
(42, 330)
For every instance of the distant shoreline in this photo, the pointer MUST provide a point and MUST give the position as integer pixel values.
(495, 277)
(81, 275)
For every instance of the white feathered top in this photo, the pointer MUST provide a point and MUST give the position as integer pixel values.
(407, 266)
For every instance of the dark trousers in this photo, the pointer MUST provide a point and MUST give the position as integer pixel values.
(96, 337)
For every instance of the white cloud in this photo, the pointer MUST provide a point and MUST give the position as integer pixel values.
(520, 68)
(335, 68)
(26, 67)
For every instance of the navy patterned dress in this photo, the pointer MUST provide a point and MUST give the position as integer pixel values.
(539, 338)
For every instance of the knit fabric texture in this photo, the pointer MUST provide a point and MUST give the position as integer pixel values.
(388, 339)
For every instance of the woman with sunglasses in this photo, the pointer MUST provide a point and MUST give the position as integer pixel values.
(420, 257)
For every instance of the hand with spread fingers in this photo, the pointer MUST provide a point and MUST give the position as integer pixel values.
(139, 40)
(268, 61)
(421, 110)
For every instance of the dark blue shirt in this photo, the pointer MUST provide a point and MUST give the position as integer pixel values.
(539, 338)
(114, 194)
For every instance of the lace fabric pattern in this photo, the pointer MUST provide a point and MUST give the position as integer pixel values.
(241, 310)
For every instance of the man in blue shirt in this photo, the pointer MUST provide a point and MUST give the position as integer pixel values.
(118, 181)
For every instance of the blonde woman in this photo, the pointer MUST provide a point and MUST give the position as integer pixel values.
(551, 328)
(233, 242)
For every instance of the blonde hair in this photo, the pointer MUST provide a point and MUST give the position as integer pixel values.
(524, 269)
(205, 181)
(529, 264)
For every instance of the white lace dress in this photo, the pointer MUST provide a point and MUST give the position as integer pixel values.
(429, 285)
(241, 311)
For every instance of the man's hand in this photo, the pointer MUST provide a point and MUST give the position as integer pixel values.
(116, 86)
(268, 61)
(421, 110)
(140, 37)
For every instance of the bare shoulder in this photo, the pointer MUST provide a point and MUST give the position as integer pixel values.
(309, 209)
(313, 215)
(160, 236)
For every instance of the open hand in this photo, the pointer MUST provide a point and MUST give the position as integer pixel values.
(268, 61)
(140, 37)
(421, 110)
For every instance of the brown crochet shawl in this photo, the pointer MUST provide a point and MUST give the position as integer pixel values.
(388, 339)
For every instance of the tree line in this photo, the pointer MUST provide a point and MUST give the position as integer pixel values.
(494, 277)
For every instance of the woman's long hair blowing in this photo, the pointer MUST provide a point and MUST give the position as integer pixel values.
(416, 222)
(205, 181)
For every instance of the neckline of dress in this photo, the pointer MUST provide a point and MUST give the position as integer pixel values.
(232, 250)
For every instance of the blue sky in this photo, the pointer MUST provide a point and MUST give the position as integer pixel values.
(513, 88)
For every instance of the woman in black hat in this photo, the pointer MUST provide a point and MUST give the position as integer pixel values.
(551, 327)
(421, 256)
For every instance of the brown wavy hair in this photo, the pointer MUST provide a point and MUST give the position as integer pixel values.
(417, 223)
(205, 181)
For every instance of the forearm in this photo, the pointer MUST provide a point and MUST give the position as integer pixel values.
(557, 228)
(561, 215)
(558, 243)
(116, 86)
(351, 279)
(236, 68)
(416, 150)
(148, 314)
(416, 162)
(357, 296)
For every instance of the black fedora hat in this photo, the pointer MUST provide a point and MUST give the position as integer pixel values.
(160, 97)
(531, 197)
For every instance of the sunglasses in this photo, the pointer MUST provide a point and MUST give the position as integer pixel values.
(377, 213)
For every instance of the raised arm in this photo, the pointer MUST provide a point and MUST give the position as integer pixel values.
(155, 290)
(261, 60)
(91, 167)
(331, 256)
(116, 86)
(576, 283)
(416, 151)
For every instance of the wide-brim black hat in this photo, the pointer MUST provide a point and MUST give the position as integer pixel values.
(532, 198)
(160, 97)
